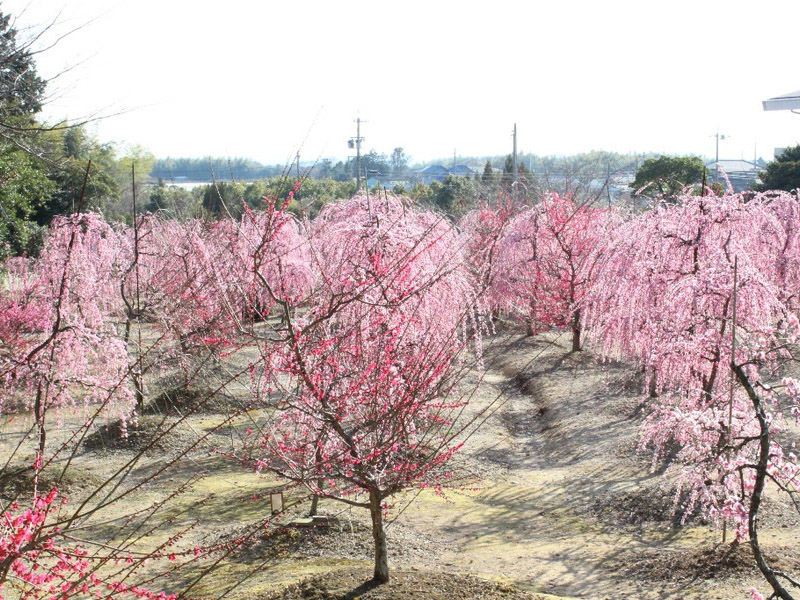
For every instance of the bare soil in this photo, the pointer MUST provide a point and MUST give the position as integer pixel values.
(551, 500)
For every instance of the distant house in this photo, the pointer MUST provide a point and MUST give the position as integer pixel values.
(432, 173)
(742, 174)
(462, 171)
(438, 173)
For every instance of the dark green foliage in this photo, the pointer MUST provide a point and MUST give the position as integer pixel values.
(24, 189)
(76, 149)
(24, 186)
(454, 196)
(21, 89)
(488, 173)
(372, 163)
(508, 165)
(175, 202)
(666, 176)
(783, 173)
(224, 199)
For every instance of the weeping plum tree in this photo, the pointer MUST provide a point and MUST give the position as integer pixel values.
(63, 350)
(482, 230)
(664, 287)
(60, 351)
(545, 262)
(179, 283)
(367, 370)
(65, 343)
(695, 294)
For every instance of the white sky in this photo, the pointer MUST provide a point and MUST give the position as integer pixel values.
(260, 79)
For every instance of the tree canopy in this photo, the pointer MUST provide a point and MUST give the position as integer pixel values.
(21, 88)
(783, 173)
(666, 176)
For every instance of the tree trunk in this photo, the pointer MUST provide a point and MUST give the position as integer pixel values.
(381, 573)
(653, 388)
(314, 506)
(758, 486)
(320, 482)
(576, 331)
(39, 409)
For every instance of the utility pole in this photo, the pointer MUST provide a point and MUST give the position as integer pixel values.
(356, 143)
(516, 172)
(297, 162)
(716, 159)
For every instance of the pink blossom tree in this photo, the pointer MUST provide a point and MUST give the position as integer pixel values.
(367, 371)
(63, 351)
(38, 560)
(694, 293)
(545, 263)
(483, 229)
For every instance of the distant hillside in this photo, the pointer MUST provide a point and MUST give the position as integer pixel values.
(210, 168)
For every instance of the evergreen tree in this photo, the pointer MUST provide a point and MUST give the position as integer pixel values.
(21, 88)
(783, 173)
(23, 183)
(488, 173)
(667, 176)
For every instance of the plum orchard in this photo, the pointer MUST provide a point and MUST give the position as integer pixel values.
(377, 310)
(365, 319)
(671, 290)
(60, 349)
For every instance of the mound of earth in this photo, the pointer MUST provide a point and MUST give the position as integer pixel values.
(17, 482)
(649, 503)
(707, 562)
(356, 584)
(345, 538)
(148, 433)
(182, 401)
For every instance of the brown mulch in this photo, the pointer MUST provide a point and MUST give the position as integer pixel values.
(708, 562)
(147, 434)
(653, 503)
(357, 584)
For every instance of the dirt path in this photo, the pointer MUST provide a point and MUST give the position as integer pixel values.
(566, 506)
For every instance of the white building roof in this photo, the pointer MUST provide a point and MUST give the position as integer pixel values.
(790, 101)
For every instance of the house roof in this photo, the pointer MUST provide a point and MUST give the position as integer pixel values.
(461, 170)
(790, 101)
(734, 166)
(433, 169)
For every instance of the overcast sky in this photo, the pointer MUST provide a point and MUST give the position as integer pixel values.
(262, 79)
